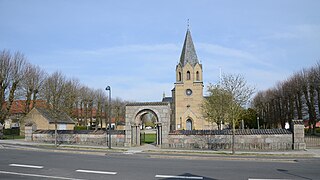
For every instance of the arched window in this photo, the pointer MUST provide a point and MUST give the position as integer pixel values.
(179, 76)
(188, 75)
(189, 124)
(197, 76)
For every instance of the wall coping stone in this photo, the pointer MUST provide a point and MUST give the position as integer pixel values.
(229, 132)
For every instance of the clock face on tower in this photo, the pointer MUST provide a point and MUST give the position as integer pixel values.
(188, 92)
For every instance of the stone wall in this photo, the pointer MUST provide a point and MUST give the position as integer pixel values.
(245, 139)
(224, 142)
(79, 137)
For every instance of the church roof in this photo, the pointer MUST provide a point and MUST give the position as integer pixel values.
(188, 54)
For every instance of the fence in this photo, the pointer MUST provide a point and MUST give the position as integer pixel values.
(312, 141)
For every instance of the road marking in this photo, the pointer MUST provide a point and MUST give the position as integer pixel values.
(26, 166)
(96, 172)
(38, 175)
(267, 179)
(178, 177)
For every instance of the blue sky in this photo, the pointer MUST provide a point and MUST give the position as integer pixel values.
(134, 46)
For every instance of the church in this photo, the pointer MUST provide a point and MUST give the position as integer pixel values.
(187, 94)
(181, 111)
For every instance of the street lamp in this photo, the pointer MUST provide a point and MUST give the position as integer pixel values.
(108, 88)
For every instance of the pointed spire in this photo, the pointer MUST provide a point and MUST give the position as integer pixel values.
(188, 54)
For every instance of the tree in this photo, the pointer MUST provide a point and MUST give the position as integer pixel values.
(31, 84)
(216, 104)
(231, 95)
(54, 89)
(240, 92)
(11, 74)
(249, 116)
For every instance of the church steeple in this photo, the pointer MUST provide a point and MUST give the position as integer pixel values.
(188, 54)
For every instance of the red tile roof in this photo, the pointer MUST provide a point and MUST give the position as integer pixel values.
(19, 106)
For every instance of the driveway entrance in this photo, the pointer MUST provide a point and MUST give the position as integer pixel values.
(135, 121)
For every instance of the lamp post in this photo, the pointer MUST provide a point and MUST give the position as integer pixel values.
(258, 122)
(108, 88)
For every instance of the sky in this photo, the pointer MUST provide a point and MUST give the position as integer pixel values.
(134, 46)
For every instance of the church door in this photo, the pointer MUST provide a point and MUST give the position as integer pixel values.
(189, 124)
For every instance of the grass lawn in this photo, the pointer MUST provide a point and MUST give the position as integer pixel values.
(150, 138)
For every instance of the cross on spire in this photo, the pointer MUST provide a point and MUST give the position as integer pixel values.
(188, 23)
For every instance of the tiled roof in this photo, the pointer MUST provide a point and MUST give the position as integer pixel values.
(55, 116)
(229, 132)
(148, 104)
(19, 106)
(167, 99)
(188, 54)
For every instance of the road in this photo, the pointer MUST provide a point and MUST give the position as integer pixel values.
(31, 164)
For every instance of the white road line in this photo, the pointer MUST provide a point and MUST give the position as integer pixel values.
(96, 172)
(267, 179)
(178, 177)
(38, 175)
(26, 166)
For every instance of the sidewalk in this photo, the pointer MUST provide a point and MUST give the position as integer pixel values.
(148, 148)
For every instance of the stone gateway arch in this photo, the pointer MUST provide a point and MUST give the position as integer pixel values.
(134, 113)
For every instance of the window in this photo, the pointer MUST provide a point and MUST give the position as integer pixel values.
(189, 124)
(197, 76)
(62, 126)
(188, 75)
(179, 76)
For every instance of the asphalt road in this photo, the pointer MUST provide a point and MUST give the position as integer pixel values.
(26, 164)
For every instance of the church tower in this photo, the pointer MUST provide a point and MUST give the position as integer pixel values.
(188, 91)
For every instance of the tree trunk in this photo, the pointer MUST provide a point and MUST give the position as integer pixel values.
(28, 101)
(9, 104)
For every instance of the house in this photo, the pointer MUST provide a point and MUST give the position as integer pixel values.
(84, 118)
(18, 111)
(45, 119)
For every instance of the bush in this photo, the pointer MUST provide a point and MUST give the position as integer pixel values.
(11, 132)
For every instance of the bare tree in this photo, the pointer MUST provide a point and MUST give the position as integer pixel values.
(295, 98)
(12, 68)
(31, 84)
(5, 68)
(118, 110)
(308, 88)
(70, 96)
(53, 90)
(99, 100)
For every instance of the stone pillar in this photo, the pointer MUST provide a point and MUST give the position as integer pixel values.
(133, 135)
(28, 131)
(298, 135)
(128, 135)
(1, 131)
(160, 134)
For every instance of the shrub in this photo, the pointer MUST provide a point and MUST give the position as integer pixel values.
(11, 132)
